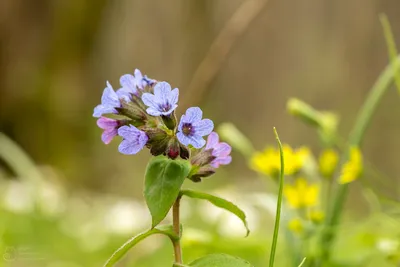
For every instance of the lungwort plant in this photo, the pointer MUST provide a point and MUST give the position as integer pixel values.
(142, 113)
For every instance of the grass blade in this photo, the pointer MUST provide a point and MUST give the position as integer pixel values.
(279, 203)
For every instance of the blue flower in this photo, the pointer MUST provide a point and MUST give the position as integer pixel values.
(163, 102)
(130, 83)
(134, 140)
(109, 101)
(192, 128)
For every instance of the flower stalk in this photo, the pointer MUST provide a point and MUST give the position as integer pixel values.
(177, 229)
(364, 117)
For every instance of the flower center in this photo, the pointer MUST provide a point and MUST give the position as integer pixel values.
(187, 129)
(165, 107)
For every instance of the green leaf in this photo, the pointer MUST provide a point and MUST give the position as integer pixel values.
(120, 252)
(220, 260)
(219, 202)
(163, 180)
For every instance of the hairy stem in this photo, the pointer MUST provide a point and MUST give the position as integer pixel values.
(177, 230)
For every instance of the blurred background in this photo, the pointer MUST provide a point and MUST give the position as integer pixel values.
(239, 60)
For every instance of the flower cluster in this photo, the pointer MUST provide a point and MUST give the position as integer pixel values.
(302, 192)
(268, 161)
(142, 112)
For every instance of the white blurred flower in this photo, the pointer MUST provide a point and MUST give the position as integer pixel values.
(228, 223)
(126, 217)
(231, 225)
(18, 198)
(264, 201)
(91, 236)
(388, 246)
(51, 199)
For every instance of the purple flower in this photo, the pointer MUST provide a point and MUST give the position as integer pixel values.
(110, 128)
(134, 140)
(219, 150)
(163, 102)
(192, 128)
(130, 83)
(109, 101)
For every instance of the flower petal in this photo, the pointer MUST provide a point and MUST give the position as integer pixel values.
(124, 93)
(138, 74)
(129, 147)
(102, 109)
(192, 115)
(221, 150)
(108, 135)
(212, 140)
(109, 97)
(130, 133)
(162, 90)
(221, 161)
(107, 123)
(195, 140)
(183, 138)
(173, 97)
(203, 127)
(165, 113)
(153, 112)
(150, 100)
(128, 81)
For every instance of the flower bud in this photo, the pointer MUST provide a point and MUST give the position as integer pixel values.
(169, 120)
(137, 115)
(173, 148)
(158, 141)
(203, 158)
(202, 172)
(184, 152)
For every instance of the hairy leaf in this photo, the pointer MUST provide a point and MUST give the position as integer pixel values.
(220, 260)
(163, 180)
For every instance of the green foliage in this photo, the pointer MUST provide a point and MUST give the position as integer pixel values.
(120, 252)
(391, 46)
(163, 180)
(355, 139)
(219, 202)
(220, 260)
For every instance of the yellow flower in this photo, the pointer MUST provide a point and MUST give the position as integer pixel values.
(316, 216)
(268, 161)
(328, 161)
(296, 225)
(301, 194)
(352, 169)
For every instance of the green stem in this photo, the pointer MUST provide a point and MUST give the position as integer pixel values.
(176, 225)
(278, 205)
(355, 139)
(391, 46)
